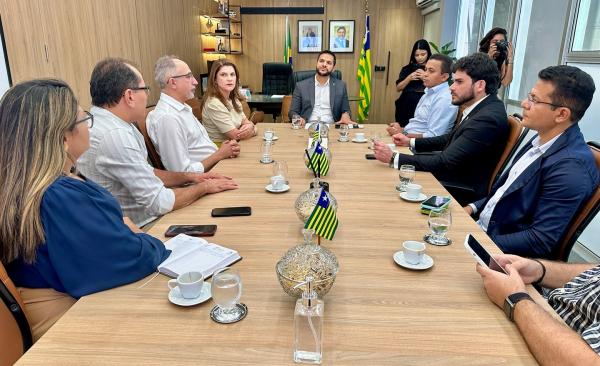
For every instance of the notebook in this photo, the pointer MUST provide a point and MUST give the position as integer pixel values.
(190, 253)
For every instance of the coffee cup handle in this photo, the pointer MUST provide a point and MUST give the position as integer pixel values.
(172, 284)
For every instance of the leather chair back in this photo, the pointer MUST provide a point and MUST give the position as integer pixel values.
(277, 78)
(516, 134)
(585, 215)
(152, 154)
(15, 333)
(301, 75)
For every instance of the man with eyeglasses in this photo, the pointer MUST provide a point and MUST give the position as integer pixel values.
(179, 138)
(117, 157)
(531, 205)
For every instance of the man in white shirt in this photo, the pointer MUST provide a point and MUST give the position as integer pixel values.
(117, 157)
(179, 138)
(531, 205)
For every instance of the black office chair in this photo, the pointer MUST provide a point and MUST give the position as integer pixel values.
(305, 74)
(277, 78)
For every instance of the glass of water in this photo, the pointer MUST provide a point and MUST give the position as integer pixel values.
(375, 136)
(439, 224)
(296, 122)
(344, 131)
(266, 151)
(407, 174)
(226, 291)
(269, 134)
(280, 169)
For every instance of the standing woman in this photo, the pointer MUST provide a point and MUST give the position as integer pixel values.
(222, 113)
(500, 50)
(410, 84)
(61, 235)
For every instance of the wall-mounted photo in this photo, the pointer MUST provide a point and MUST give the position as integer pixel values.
(310, 35)
(341, 35)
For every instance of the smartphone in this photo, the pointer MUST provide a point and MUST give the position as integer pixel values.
(481, 255)
(370, 157)
(354, 125)
(434, 202)
(191, 230)
(231, 211)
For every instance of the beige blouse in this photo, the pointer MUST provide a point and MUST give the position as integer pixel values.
(218, 119)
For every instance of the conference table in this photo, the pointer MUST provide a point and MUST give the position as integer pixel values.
(377, 312)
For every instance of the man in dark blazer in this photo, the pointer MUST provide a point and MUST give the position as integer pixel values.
(321, 97)
(532, 204)
(462, 160)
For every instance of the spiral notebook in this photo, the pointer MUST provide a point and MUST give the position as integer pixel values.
(190, 253)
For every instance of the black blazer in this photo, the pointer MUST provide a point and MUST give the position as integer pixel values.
(466, 156)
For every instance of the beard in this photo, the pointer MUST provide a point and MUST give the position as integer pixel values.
(456, 100)
(326, 73)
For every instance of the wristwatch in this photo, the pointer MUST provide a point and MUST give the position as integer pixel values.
(404, 132)
(511, 301)
(392, 160)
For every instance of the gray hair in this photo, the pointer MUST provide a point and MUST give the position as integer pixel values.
(164, 69)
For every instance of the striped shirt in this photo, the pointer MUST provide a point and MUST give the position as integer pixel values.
(578, 304)
(117, 160)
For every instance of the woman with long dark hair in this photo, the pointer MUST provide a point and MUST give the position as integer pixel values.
(497, 47)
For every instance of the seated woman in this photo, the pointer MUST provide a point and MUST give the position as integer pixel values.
(222, 114)
(61, 235)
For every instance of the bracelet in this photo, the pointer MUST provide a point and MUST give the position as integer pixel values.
(543, 272)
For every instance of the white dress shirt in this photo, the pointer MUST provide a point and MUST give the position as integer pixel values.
(117, 160)
(322, 107)
(517, 169)
(180, 140)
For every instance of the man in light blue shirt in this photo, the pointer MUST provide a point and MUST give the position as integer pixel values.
(435, 114)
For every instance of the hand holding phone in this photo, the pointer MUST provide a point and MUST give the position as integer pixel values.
(481, 255)
(191, 230)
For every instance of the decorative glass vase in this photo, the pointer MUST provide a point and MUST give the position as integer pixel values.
(323, 129)
(307, 200)
(311, 151)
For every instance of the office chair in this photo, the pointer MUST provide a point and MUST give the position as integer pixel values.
(305, 74)
(277, 78)
(15, 333)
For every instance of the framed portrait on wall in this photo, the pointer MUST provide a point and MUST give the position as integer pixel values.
(341, 35)
(310, 36)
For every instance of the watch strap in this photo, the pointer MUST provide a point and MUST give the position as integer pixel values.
(511, 301)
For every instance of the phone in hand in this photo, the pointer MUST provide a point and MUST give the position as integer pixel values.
(231, 211)
(191, 230)
(481, 255)
(370, 157)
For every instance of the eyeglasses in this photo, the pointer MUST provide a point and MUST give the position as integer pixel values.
(533, 102)
(189, 75)
(89, 118)
(144, 88)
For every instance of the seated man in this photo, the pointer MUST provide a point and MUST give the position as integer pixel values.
(323, 97)
(117, 157)
(179, 138)
(531, 205)
(463, 159)
(575, 299)
(435, 112)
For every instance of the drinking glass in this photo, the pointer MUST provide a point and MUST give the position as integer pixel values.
(344, 131)
(226, 291)
(280, 169)
(268, 135)
(407, 174)
(267, 149)
(439, 223)
(375, 136)
(296, 122)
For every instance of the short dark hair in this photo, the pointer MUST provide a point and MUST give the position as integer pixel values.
(479, 66)
(573, 88)
(484, 44)
(446, 62)
(110, 78)
(328, 53)
(341, 27)
(420, 44)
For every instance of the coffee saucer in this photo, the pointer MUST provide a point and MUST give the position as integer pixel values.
(359, 141)
(275, 138)
(426, 261)
(422, 197)
(284, 188)
(176, 298)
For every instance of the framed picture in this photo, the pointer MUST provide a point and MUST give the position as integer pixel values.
(310, 36)
(341, 36)
(204, 82)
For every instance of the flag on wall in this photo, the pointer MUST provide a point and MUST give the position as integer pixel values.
(323, 219)
(287, 48)
(363, 75)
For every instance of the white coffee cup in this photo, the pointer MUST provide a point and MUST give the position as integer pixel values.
(413, 191)
(359, 136)
(413, 251)
(189, 283)
(277, 182)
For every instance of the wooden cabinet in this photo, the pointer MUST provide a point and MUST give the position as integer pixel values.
(222, 31)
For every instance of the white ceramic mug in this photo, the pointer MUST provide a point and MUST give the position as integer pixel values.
(413, 251)
(189, 283)
(359, 136)
(277, 182)
(413, 191)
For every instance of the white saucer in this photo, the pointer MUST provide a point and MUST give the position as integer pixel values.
(176, 298)
(285, 188)
(422, 197)
(275, 138)
(426, 262)
(359, 141)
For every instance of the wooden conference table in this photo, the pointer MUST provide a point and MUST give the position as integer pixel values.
(377, 313)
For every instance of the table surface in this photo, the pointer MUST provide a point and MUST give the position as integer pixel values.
(376, 313)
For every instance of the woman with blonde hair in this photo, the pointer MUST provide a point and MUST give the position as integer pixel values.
(61, 235)
(222, 114)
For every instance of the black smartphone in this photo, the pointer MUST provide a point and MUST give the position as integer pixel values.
(481, 255)
(370, 157)
(354, 125)
(231, 211)
(191, 230)
(435, 202)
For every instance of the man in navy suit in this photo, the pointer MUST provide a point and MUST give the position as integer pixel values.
(531, 205)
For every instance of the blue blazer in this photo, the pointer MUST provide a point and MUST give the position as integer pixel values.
(536, 210)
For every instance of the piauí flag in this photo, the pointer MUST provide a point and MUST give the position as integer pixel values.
(319, 160)
(323, 219)
(363, 75)
(287, 48)
(316, 133)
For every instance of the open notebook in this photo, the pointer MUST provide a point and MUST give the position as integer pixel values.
(190, 253)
